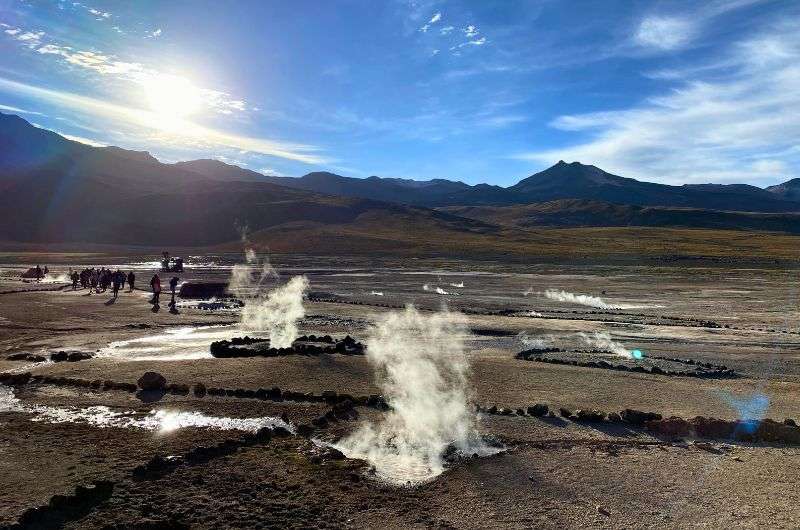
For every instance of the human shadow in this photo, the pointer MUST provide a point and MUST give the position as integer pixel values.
(111, 301)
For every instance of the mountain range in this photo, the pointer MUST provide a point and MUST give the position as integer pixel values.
(53, 189)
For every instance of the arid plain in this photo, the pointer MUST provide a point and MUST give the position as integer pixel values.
(186, 458)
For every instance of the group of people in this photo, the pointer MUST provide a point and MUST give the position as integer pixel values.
(155, 285)
(102, 279)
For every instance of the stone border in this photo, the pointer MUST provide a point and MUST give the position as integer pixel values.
(766, 430)
(707, 371)
(224, 349)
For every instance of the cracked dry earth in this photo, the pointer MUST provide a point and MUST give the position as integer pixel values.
(555, 473)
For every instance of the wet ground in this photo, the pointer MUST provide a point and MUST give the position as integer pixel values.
(554, 473)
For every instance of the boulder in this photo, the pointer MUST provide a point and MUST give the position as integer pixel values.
(306, 431)
(199, 390)
(152, 381)
(589, 416)
(538, 410)
(637, 417)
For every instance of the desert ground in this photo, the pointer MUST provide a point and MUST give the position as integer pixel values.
(82, 447)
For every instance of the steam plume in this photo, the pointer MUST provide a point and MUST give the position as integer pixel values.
(437, 289)
(421, 365)
(601, 340)
(587, 300)
(534, 342)
(276, 311)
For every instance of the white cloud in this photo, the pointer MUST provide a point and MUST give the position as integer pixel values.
(741, 124)
(12, 31)
(133, 72)
(17, 110)
(471, 31)
(81, 139)
(182, 133)
(435, 18)
(156, 33)
(100, 14)
(665, 33)
(446, 30)
(425, 28)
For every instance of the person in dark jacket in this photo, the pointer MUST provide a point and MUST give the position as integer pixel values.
(131, 279)
(155, 284)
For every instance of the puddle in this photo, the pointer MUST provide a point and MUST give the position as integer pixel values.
(160, 421)
(178, 344)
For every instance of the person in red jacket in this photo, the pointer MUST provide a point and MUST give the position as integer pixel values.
(155, 284)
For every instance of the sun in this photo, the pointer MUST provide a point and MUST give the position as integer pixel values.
(171, 98)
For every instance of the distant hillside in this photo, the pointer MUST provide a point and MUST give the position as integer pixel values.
(561, 181)
(789, 190)
(588, 213)
(56, 190)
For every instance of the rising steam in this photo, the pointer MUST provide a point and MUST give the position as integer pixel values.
(436, 289)
(602, 340)
(587, 300)
(421, 366)
(275, 311)
(529, 341)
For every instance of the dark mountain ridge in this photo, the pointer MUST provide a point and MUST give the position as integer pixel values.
(57, 190)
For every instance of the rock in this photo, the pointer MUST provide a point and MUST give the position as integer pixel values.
(712, 427)
(199, 390)
(614, 417)
(330, 453)
(75, 356)
(637, 417)
(590, 416)
(59, 356)
(538, 410)
(790, 422)
(26, 356)
(602, 511)
(672, 427)
(306, 431)
(280, 432)
(152, 381)
(565, 412)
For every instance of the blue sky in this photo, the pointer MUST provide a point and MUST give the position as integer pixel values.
(484, 91)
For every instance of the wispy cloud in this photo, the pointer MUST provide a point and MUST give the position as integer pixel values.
(17, 110)
(435, 18)
(471, 31)
(182, 132)
(740, 124)
(665, 33)
(133, 72)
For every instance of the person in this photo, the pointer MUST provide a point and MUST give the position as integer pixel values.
(116, 281)
(93, 281)
(173, 283)
(131, 279)
(74, 277)
(45, 270)
(38, 273)
(122, 278)
(155, 284)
